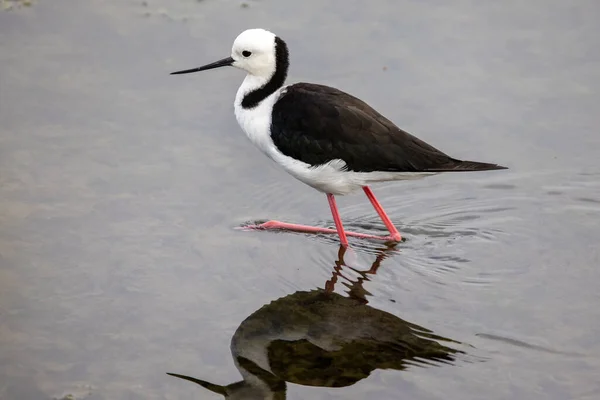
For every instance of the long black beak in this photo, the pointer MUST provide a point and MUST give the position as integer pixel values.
(221, 63)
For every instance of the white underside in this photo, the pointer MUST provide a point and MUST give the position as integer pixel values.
(332, 177)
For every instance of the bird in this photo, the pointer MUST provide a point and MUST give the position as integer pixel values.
(323, 136)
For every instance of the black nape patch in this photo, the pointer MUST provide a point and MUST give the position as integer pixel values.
(282, 64)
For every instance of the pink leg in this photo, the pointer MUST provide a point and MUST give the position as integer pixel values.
(386, 220)
(343, 234)
(285, 226)
(337, 220)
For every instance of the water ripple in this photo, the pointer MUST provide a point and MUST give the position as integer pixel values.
(439, 222)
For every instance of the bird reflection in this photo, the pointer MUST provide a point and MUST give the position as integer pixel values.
(325, 339)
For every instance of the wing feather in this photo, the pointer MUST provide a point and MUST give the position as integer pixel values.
(316, 124)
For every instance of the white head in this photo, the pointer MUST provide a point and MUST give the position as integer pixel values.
(256, 51)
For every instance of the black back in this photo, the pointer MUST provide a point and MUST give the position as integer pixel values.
(316, 124)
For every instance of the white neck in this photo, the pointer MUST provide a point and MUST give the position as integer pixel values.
(256, 121)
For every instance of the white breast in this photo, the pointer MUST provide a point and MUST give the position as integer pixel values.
(256, 122)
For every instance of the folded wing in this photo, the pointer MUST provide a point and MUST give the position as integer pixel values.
(317, 124)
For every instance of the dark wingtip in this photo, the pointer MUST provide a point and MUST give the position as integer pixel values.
(477, 166)
(490, 167)
(466, 166)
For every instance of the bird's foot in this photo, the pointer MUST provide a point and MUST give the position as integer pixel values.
(284, 226)
(395, 237)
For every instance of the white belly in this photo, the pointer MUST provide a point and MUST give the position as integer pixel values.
(334, 178)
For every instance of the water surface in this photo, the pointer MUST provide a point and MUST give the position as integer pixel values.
(121, 186)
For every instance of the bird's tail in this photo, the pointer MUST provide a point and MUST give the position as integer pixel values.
(463, 166)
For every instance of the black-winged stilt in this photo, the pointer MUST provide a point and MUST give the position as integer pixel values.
(328, 139)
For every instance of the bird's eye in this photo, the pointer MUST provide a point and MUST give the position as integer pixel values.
(246, 53)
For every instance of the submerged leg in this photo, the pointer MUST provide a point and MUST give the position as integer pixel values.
(386, 220)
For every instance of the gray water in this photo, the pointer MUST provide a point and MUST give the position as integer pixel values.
(121, 186)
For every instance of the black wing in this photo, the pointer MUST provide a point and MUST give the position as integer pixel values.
(316, 124)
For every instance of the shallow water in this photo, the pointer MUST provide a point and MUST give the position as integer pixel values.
(121, 186)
